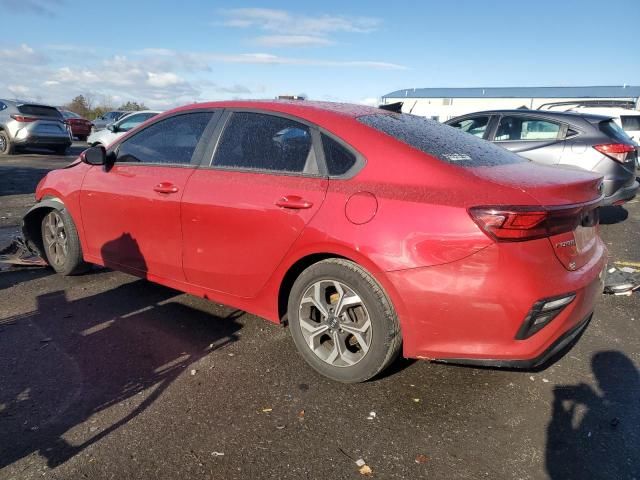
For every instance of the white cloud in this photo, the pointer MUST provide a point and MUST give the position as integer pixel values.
(22, 54)
(18, 89)
(161, 80)
(292, 41)
(293, 30)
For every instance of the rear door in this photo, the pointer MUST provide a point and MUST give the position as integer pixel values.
(537, 139)
(243, 212)
(131, 212)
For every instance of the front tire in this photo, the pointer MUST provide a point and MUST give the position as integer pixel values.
(342, 322)
(61, 150)
(61, 243)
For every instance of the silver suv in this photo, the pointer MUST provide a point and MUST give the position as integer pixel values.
(25, 124)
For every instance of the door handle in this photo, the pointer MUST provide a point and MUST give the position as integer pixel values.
(166, 187)
(294, 202)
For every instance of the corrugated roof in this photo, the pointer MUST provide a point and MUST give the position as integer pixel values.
(520, 92)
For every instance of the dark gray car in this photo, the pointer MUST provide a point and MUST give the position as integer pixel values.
(24, 124)
(108, 118)
(590, 142)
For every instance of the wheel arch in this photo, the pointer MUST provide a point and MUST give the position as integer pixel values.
(32, 221)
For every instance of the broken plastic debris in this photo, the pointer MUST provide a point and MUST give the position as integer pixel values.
(267, 410)
(417, 400)
(621, 281)
(19, 253)
(217, 454)
(193, 371)
(372, 415)
(360, 462)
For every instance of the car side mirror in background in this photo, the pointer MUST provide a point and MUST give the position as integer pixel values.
(112, 128)
(95, 156)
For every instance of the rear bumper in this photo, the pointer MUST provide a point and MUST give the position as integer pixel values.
(43, 140)
(561, 346)
(470, 311)
(624, 194)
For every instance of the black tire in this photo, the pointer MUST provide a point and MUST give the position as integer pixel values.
(71, 262)
(384, 338)
(6, 145)
(62, 150)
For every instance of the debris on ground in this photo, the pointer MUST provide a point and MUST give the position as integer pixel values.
(267, 410)
(18, 253)
(366, 470)
(621, 281)
(372, 415)
(217, 454)
(301, 415)
(193, 372)
(422, 458)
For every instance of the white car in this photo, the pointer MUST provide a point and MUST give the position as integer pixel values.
(119, 128)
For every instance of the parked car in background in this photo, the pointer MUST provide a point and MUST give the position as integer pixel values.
(587, 141)
(24, 125)
(102, 121)
(119, 128)
(369, 232)
(629, 120)
(80, 127)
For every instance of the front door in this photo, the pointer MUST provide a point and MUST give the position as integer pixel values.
(131, 212)
(241, 216)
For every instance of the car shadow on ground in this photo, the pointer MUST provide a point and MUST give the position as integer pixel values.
(594, 435)
(613, 214)
(113, 354)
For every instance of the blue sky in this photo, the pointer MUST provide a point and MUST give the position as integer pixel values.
(167, 53)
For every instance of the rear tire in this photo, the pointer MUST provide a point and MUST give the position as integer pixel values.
(6, 146)
(342, 322)
(61, 150)
(61, 243)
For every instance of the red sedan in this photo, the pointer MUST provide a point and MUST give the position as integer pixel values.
(80, 127)
(370, 233)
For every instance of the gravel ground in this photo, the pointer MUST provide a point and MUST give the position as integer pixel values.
(108, 376)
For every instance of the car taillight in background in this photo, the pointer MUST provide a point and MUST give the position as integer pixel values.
(616, 151)
(521, 223)
(23, 118)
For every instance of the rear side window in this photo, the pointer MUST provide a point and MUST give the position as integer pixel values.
(259, 141)
(612, 130)
(441, 141)
(339, 160)
(629, 122)
(39, 111)
(476, 126)
(169, 141)
(522, 129)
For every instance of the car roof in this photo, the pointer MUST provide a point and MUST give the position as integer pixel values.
(609, 111)
(292, 107)
(541, 113)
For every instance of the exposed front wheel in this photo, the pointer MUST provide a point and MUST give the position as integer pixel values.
(61, 243)
(342, 322)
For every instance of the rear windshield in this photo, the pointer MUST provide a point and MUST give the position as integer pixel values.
(39, 111)
(614, 131)
(630, 122)
(441, 141)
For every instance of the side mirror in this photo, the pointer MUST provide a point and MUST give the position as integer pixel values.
(95, 156)
(112, 128)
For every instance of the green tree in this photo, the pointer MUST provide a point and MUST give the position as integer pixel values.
(133, 106)
(80, 105)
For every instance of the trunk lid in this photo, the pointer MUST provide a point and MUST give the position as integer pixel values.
(572, 196)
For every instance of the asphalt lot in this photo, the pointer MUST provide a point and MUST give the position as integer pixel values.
(108, 376)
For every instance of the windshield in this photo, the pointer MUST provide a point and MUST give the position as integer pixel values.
(441, 141)
(67, 114)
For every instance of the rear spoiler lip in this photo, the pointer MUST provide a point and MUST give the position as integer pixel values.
(595, 203)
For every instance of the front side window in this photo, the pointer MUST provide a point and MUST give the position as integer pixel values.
(133, 121)
(258, 141)
(476, 126)
(169, 141)
(522, 128)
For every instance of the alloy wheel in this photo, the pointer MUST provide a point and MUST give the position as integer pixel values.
(335, 323)
(55, 238)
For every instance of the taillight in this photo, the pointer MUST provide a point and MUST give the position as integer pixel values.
(617, 151)
(23, 119)
(520, 223)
